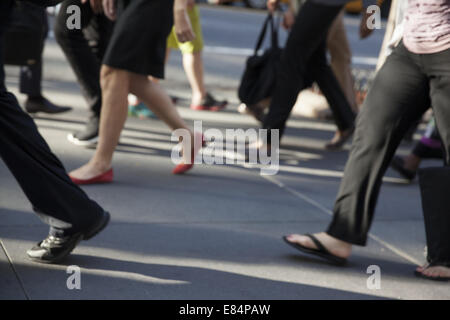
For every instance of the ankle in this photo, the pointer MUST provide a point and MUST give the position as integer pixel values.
(100, 165)
(38, 97)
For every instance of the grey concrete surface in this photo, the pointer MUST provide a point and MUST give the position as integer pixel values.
(214, 233)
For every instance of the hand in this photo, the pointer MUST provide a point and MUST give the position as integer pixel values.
(96, 5)
(288, 19)
(272, 5)
(110, 9)
(183, 27)
(364, 30)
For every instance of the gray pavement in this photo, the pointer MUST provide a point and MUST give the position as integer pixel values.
(214, 233)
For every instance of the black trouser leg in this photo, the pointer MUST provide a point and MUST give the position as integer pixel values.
(31, 76)
(84, 49)
(434, 186)
(308, 33)
(435, 183)
(398, 97)
(322, 73)
(60, 203)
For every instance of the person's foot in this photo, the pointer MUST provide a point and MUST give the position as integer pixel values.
(339, 139)
(141, 111)
(54, 249)
(41, 104)
(335, 246)
(433, 272)
(87, 137)
(209, 103)
(407, 166)
(187, 164)
(92, 173)
(255, 110)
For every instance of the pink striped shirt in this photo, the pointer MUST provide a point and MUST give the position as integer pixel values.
(427, 26)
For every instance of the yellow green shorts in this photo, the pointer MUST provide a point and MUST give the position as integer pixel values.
(191, 46)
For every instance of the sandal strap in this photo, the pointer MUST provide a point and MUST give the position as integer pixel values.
(318, 244)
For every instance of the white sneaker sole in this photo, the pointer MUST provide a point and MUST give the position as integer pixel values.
(82, 143)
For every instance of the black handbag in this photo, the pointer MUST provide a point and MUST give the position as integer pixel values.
(23, 39)
(259, 78)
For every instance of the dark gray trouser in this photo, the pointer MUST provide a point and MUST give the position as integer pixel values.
(402, 91)
(31, 76)
(85, 49)
(303, 61)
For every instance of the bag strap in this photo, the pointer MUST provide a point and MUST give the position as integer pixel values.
(274, 29)
(262, 34)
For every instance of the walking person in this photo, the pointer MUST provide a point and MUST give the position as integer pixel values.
(31, 76)
(71, 215)
(415, 76)
(303, 61)
(192, 53)
(84, 49)
(135, 52)
(193, 63)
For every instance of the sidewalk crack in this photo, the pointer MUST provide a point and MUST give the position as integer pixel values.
(16, 274)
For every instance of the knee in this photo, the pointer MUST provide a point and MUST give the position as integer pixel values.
(109, 76)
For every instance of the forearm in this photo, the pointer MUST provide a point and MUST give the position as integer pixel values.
(180, 6)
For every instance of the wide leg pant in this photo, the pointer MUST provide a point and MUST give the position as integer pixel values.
(404, 88)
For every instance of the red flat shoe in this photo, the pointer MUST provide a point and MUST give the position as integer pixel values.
(183, 167)
(106, 177)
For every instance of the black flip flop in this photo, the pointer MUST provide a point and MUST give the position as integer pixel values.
(421, 275)
(320, 252)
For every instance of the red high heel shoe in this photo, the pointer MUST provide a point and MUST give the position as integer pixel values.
(183, 167)
(105, 177)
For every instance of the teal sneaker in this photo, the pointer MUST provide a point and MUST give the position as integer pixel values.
(140, 110)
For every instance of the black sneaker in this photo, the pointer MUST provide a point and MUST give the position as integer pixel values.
(209, 103)
(89, 136)
(54, 249)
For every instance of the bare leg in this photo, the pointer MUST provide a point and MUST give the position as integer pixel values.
(157, 100)
(193, 66)
(115, 88)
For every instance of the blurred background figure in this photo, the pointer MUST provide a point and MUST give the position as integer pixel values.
(193, 66)
(31, 76)
(429, 147)
(304, 60)
(84, 50)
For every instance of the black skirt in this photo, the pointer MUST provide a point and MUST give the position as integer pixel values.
(138, 43)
